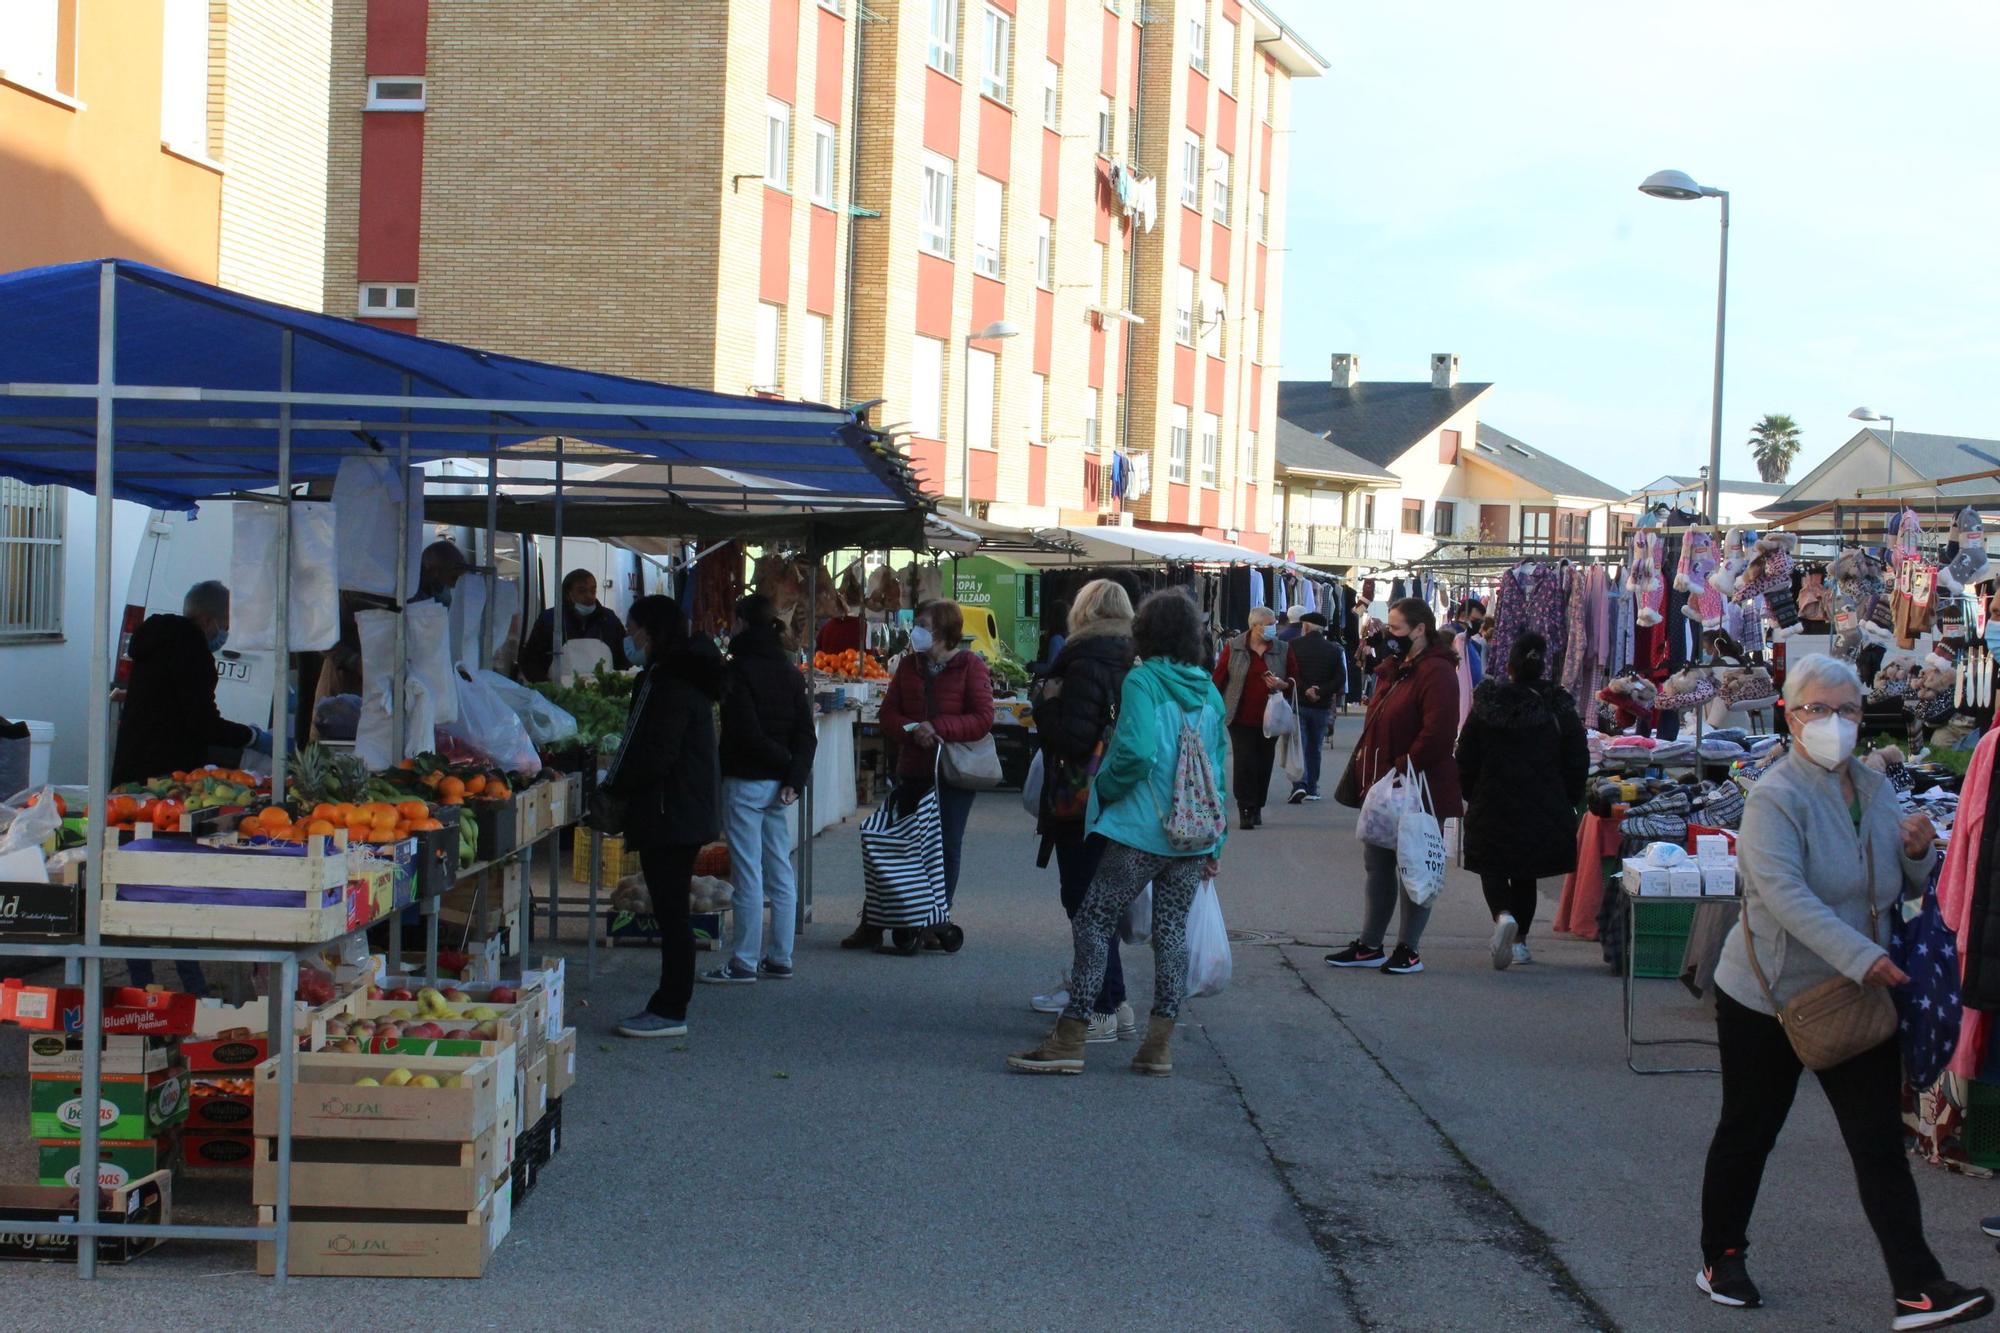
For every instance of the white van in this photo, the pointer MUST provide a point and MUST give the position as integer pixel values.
(178, 551)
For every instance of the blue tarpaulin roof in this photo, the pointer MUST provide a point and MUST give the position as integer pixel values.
(171, 451)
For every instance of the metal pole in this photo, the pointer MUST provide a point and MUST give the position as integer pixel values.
(965, 426)
(283, 1041)
(556, 639)
(1892, 451)
(1715, 408)
(557, 606)
(492, 555)
(281, 713)
(802, 909)
(401, 690)
(596, 880)
(97, 837)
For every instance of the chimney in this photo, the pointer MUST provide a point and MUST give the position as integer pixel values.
(1444, 370)
(1346, 370)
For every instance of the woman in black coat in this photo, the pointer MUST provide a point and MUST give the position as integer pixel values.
(1522, 762)
(668, 774)
(1074, 710)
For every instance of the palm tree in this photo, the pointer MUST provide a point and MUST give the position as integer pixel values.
(1774, 443)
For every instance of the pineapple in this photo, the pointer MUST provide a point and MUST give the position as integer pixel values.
(329, 776)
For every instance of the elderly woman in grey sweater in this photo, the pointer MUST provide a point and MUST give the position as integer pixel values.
(1824, 854)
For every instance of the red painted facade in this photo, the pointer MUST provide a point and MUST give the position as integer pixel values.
(1183, 375)
(1197, 101)
(389, 226)
(1191, 234)
(829, 65)
(989, 301)
(1225, 120)
(398, 34)
(1051, 160)
(774, 272)
(985, 473)
(934, 277)
(783, 76)
(941, 102)
(1045, 329)
(1211, 390)
(1177, 502)
(1038, 474)
(996, 131)
(1211, 507)
(1218, 253)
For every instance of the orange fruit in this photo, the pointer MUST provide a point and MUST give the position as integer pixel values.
(274, 816)
(324, 810)
(250, 827)
(412, 810)
(380, 834)
(425, 825)
(342, 813)
(451, 787)
(454, 800)
(320, 828)
(475, 784)
(358, 830)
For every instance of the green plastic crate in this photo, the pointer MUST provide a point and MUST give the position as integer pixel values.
(1660, 934)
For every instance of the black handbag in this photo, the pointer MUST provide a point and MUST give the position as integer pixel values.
(606, 810)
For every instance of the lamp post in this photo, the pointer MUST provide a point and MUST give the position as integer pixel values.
(999, 328)
(1870, 414)
(1678, 185)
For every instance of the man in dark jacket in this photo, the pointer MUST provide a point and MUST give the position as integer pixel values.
(768, 744)
(1322, 680)
(170, 721)
(584, 617)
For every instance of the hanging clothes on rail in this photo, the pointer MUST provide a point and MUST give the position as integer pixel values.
(1532, 595)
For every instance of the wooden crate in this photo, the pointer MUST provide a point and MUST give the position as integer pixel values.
(326, 1104)
(197, 892)
(378, 1173)
(384, 1242)
(530, 812)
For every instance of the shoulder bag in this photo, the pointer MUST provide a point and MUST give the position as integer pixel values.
(607, 810)
(968, 765)
(1837, 1019)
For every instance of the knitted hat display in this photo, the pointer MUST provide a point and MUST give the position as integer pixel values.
(1649, 587)
(1858, 578)
(1970, 567)
(1906, 532)
(1699, 561)
(1770, 566)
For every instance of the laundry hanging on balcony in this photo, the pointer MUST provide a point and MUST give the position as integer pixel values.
(1137, 196)
(1142, 478)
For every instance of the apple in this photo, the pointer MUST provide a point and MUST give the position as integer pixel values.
(425, 1081)
(456, 995)
(455, 1081)
(482, 1013)
(397, 1077)
(487, 1031)
(336, 1028)
(362, 1027)
(503, 995)
(397, 994)
(426, 1030)
(366, 1082)
(374, 992)
(347, 1046)
(388, 1031)
(460, 1034)
(402, 1015)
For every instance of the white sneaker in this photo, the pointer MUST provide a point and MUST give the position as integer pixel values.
(1054, 1002)
(1505, 931)
(1521, 955)
(1103, 1028)
(1128, 1023)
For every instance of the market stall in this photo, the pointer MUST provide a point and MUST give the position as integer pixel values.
(188, 392)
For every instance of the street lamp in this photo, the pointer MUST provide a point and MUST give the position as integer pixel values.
(1678, 185)
(1870, 414)
(999, 328)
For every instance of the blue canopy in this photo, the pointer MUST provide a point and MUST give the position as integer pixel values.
(198, 381)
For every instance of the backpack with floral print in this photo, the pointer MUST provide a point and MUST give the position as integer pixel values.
(1195, 821)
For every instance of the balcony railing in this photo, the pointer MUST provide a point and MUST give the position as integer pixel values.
(1325, 541)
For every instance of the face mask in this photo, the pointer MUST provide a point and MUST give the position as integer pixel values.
(1398, 645)
(217, 639)
(1829, 741)
(632, 653)
(585, 608)
(444, 597)
(920, 640)
(1270, 633)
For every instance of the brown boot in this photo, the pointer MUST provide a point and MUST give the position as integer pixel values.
(1154, 1058)
(865, 936)
(1061, 1052)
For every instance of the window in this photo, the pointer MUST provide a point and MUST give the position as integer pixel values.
(812, 385)
(1368, 510)
(1537, 528)
(1184, 306)
(1098, 270)
(934, 231)
(777, 144)
(1448, 447)
(1052, 95)
(1211, 434)
(1198, 37)
(30, 33)
(830, 6)
(1260, 216)
(184, 77)
(1225, 56)
(1177, 446)
(1214, 299)
(1220, 166)
(982, 375)
(765, 374)
(31, 560)
(393, 300)
(927, 387)
(1038, 408)
(1444, 518)
(826, 162)
(1045, 253)
(1413, 516)
(998, 55)
(944, 37)
(388, 93)
(1093, 412)
(1191, 171)
(989, 207)
(1104, 126)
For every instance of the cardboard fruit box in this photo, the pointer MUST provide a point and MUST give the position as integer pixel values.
(562, 1064)
(146, 1201)
(327, 1102)
(130, 1106)
(210, 1149)
(62, 1053)
(128, 1011)
(383, 1242)
(526, 1014)
(60, 1161)
(42, 911)
(379, 1173)
(507, 1030)
(219, 1101)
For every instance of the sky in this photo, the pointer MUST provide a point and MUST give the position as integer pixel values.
(1464, 179)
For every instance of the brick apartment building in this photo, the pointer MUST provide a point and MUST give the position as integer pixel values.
(823, 200)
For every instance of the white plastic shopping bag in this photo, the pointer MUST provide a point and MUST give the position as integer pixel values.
(490, 728)
(1280, 719)
(1381, 822)
(1137, 925)
(1209, 962)
(428, 645)
(1031, 787)
(314, 613)
(1420, 853)
(366, 503)
(547, 723)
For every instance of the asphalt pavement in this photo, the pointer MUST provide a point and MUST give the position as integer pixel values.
(1457, 1149)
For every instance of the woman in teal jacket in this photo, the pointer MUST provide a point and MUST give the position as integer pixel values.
(1129, 800)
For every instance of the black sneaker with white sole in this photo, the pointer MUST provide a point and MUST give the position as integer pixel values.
(1942, 1302)
(1990, 1225)
(1727, 1281)
(1298, 796)
(1357, 954)
(1403, 961)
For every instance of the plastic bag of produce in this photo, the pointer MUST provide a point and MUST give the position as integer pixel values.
(375, 731)
(366, 503)
(429, 650)
(546, 723)
(314, 612)
(488, 727)
(27, 819)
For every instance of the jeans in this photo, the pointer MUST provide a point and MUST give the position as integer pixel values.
(668, 869)
(1515, 894)
(954, 809)
(1077, 860)
(1252, 754)
(1760, 1076)
(1314, 723)
(759, 831)
(1121, 877)
(1384, 892)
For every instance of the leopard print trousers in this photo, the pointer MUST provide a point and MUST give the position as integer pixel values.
(1122, 876)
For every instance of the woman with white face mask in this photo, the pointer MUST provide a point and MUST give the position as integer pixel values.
(1824, 855)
